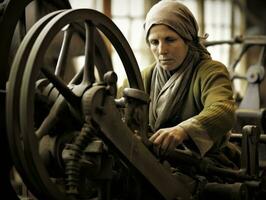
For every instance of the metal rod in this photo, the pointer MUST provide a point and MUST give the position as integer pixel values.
(88, 75)
(61, 87)
(61, 62)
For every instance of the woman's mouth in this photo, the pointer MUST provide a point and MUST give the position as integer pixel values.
(166, 61)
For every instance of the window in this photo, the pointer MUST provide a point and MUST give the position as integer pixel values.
(129, 17)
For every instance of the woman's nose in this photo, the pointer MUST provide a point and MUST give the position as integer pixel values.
(162, 49)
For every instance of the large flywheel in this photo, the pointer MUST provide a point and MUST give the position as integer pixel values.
(15, 21)
(31, 82)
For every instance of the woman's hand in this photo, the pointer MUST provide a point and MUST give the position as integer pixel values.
(167, 139)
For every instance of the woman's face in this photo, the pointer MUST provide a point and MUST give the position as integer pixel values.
(168, 48)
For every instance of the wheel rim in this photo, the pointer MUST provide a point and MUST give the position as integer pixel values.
(14, 136)
(26, 117)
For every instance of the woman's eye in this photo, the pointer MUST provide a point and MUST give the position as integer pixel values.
(170, 39)
(153, 42)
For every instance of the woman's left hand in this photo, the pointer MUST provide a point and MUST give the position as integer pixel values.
(167, 139)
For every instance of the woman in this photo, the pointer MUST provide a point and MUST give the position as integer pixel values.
(191, 94)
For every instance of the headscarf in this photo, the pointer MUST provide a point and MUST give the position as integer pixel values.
(168, 90)
(178, 17)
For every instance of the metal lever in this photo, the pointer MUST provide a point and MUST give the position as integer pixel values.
(250, 155)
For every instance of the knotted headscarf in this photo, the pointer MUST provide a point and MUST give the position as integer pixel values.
(168, 90)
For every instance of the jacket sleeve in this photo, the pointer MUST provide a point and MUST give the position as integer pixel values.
(213, 90)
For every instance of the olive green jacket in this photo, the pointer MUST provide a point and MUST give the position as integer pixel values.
(208, 108)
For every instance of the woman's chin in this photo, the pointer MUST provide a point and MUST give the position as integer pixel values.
(168, 67)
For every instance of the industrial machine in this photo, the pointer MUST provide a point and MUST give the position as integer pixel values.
(76, 140)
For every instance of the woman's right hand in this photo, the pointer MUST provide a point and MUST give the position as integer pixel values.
(166, 140)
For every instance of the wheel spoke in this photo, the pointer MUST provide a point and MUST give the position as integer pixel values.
(61, 63)
(61, 87)
(52, 118)
(88, 75)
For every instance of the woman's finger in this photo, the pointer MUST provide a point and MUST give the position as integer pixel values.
(154, 136)
(165, 142)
